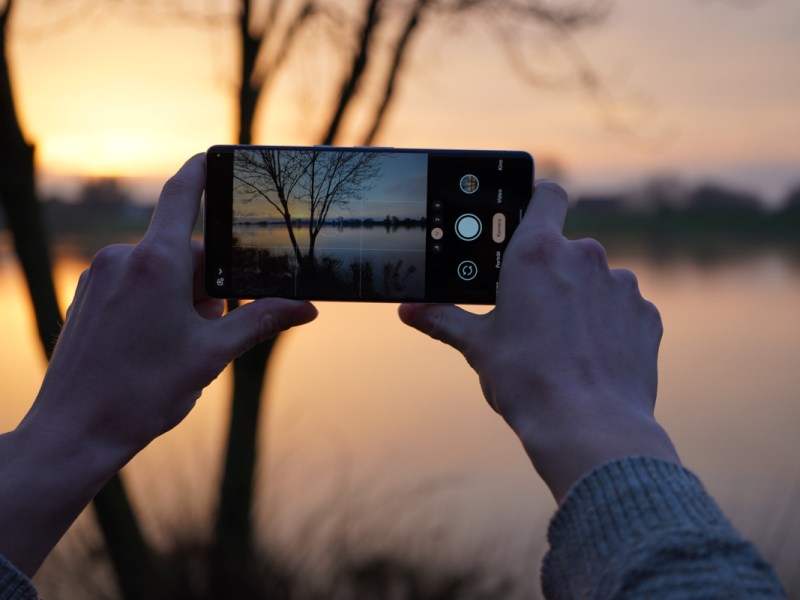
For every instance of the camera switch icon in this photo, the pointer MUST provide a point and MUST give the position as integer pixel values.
(467, 270)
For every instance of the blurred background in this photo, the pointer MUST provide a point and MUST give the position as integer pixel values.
(368, 465)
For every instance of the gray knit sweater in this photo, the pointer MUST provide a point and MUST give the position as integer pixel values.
(13, 584)
(645, 528)
(633, 528)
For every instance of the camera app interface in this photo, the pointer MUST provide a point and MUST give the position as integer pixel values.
(373, 225)
(330, 224)
(475, 202)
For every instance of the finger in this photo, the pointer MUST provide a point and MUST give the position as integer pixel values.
(206, 306)
(252, 323)
(450, 324)
(198, 278)
(176, 212)
(78, 291)
(209, 308)
(590, 252)
(548, 208)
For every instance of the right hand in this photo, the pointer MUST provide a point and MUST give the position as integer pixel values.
(568, 355)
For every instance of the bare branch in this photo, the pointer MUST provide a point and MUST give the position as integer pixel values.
(4, 14)
(360, 59)
(509, 42)
(395, 68)
(574, 16)
(286, 41)
(507, 19)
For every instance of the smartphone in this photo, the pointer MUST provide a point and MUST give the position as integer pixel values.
(361, 224)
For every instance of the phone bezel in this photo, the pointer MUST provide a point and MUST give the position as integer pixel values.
(218, 218)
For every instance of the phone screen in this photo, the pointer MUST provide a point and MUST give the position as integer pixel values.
(361, 224)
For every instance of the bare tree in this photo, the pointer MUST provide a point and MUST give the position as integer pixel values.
(313, 181)
(334, 179)
(271, 177)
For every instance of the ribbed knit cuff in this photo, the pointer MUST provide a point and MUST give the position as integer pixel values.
(611, 509)
(13, 584)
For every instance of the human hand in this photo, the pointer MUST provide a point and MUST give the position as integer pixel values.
(140, 342)
(568, 355)
(142, 338)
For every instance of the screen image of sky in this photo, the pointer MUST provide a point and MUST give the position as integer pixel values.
(398, 189)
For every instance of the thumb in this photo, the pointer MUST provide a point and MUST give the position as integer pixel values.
(252, 323)
(450, 324)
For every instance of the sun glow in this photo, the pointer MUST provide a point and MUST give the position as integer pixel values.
(117, 96)
(104, 153)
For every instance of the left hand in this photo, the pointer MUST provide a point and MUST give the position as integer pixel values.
(142, 338)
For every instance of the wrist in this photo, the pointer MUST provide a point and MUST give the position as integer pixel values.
(50, 473)
(564, 452)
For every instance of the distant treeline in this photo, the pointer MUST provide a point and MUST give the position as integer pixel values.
(663, 206)
(104, 206)
(389, 222)
(668, 207)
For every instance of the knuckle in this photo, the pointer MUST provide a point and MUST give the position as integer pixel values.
(537, 247)
(654, 316)
(109, 256)
(554, 192)
(432, 323)
(626, 278)
(149, 258)
(84, 277)
(592, 251)
(654, 313)
(176, 185)
(267, 328)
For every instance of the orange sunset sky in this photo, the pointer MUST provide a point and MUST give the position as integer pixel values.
(712, 88)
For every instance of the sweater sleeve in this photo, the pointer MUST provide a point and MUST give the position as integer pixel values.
(640, 527)
(13, 584)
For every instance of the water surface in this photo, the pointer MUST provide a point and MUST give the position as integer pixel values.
(376, 430)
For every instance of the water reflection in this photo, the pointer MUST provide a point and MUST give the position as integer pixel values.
(392, 428)
(349, 260)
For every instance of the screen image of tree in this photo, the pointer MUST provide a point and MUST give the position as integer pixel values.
(329, 223)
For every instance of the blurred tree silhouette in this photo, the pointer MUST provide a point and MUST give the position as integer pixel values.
(18, 199)
(374, 39)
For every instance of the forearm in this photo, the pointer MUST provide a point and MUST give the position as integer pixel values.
(646, 528)
(565, 449)
(48, 474)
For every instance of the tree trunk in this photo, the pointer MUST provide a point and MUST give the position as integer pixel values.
(231, 553)
(18, 198)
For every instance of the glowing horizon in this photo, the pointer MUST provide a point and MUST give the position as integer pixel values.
(124, 99)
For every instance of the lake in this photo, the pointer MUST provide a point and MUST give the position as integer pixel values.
(390, 444)
(352, 260)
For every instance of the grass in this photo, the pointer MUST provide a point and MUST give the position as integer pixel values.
(380, 555)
